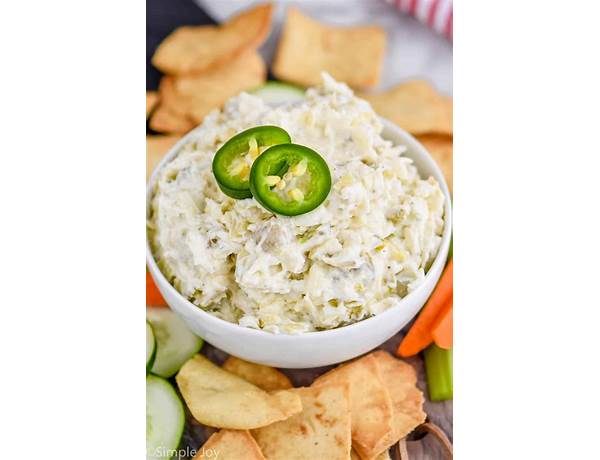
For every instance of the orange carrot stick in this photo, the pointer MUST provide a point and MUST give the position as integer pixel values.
(153, 296)
(420, 335)
(442, 331)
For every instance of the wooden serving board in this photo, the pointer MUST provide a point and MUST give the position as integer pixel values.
(439, 413)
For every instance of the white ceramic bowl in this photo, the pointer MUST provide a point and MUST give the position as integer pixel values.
(312, 349)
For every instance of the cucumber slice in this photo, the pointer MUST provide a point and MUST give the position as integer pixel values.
(174, 341)
(150, 347)
(165, 419)
(276, 93)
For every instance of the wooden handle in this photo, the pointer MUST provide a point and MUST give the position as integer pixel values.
(434, 430)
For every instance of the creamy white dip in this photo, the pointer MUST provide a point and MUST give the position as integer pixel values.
(356, 255)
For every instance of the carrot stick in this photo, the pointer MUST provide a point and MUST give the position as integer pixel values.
(153, 296)
(442, 331)
(420, 335)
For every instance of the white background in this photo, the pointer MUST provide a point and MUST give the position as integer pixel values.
(526, 225)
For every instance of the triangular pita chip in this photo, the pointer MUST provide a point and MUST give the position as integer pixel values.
(369, 399)
(220, 399)
(230, 445)
(407, 401)
(196, 49)
(195, 96)
(320, 431)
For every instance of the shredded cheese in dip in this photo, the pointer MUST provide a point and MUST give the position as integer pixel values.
(355, 256)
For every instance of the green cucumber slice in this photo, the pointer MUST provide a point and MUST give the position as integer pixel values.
(165, 419)
(150, 347)
(276, 93)
(174, 341)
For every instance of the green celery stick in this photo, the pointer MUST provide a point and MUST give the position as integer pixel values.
(438, 365)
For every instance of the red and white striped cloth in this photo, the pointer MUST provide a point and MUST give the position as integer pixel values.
(437, 14)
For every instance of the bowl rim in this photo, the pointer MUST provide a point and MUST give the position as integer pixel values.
(209, 319)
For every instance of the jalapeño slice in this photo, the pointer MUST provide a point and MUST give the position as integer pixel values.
(232, 162)
(290, 179)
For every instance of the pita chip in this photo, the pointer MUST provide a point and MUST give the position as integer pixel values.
(196, 49)
(164, 120)
(414, 106)
(221, 399)
(371, 406)
(407, 401)
(151, 101)
(441, 149)
(353, 55)
(194, 97)
(230, 445)
(156, 148)
(320, 431)
(264, 377)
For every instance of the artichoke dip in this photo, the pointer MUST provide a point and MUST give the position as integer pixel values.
(356, 255)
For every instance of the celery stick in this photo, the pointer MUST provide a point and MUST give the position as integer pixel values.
(438, 365)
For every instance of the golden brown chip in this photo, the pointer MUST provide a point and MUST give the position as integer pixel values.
(414, 106)
(230, 445)
(264, 377)
(151, 101)
(382, 456)
(164, 120)
(440, 148)
(195, 96)
(320, 431)
(175, 103)
(370, 402)
(195, 49)
(448, 109)
(407, 401)
(220, 399)
(353, 55)
(156, 147)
